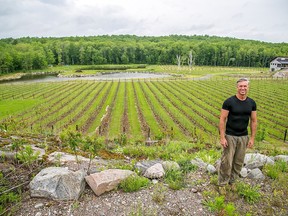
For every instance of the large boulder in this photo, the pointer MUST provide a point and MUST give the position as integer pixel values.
(257, 160)
(106, 180)
(58, 183)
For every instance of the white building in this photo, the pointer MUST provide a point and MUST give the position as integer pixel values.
(279, 63)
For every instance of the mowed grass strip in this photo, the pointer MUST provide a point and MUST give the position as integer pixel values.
(115, 126)
(12, 107)
(155, 128)
(133, 118)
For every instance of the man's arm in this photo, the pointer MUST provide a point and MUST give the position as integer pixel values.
(222, 124)
(253, 127)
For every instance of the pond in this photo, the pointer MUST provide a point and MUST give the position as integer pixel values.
(107, 76)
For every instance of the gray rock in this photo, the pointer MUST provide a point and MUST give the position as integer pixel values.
(211, 169)
(142, 166)
(12, 155)
(170, 165)
(199, 163)
(155, 181)
(61, 157)
(256, 174)
(7, 155)
(154, 172)
(217, 164)
(58, 183)
(281, 157)
(106, 180)
(41, 152)
(39, 205)
(244, 172)
(6, 168)
(257, 160)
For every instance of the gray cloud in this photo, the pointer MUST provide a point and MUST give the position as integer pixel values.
(249, 19)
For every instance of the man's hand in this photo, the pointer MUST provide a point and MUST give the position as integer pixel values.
(250, 143)
(224, 142)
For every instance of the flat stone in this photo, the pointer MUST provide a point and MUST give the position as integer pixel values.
(106, 180)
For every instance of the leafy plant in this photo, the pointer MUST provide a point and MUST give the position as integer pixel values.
(74, 139)
(27, 155)
(250, 193)
(174, 179)
(261, 133)
(219, 206)
(58, 159)
(141, 210)
(6, 198)
(91, 145)
(17, 145)
(134, 183)
(122, 139)
(158, 195)
(186, 166)
(273, 171)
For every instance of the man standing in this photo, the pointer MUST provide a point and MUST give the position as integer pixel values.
(235, 115)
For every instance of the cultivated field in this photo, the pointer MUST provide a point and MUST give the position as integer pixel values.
(173, 109)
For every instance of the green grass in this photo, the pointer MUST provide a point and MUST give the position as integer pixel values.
(198, 71)
(174, 179)
(10, 106)
(134, 183)
(275, 170)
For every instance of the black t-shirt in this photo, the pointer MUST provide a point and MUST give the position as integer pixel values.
(239, 115)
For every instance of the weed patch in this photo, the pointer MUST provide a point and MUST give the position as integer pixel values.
(251, 194)
(134, 183)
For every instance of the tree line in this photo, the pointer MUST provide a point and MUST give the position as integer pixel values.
(30, 53)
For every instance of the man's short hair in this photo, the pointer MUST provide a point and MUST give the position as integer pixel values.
(242, 80)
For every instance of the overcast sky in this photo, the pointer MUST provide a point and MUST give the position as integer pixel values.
(264, 20)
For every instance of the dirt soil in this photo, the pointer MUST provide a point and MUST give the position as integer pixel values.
(157, 199)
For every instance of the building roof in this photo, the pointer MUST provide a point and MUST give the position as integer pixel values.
(280, 60)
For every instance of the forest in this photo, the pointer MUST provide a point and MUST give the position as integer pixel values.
(28, 53)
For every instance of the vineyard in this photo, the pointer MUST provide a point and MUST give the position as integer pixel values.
(185, 110)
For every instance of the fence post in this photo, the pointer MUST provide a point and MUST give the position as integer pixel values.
(148, 132)
(285, 135)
